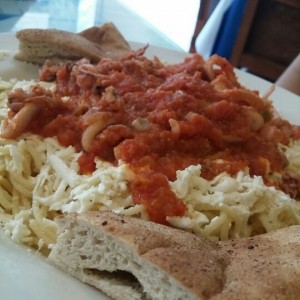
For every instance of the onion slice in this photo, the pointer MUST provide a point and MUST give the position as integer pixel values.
(92, 130)
(20, 121)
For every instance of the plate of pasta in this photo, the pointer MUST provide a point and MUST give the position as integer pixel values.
(221, 145)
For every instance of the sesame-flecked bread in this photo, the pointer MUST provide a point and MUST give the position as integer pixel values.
(128, 258)
(38, 45)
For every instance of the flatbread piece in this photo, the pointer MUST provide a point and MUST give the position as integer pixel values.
(129, 258)
(38, 45)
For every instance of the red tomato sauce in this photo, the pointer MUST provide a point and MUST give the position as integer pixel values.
(160, 119)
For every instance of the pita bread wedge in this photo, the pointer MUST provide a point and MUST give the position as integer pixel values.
(38, 45)
(266, 266)
(109, 39)
(128, 258)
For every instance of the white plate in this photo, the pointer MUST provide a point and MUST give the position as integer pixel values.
(26, 275)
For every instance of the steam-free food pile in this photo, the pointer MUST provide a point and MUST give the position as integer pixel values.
(179, 144)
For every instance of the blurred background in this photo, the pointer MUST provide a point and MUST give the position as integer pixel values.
(167, 23)
(259, 36)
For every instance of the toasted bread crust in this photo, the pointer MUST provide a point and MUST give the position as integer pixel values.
(183, 264)
(37, 45)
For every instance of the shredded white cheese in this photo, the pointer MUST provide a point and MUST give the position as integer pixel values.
(231, 207)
